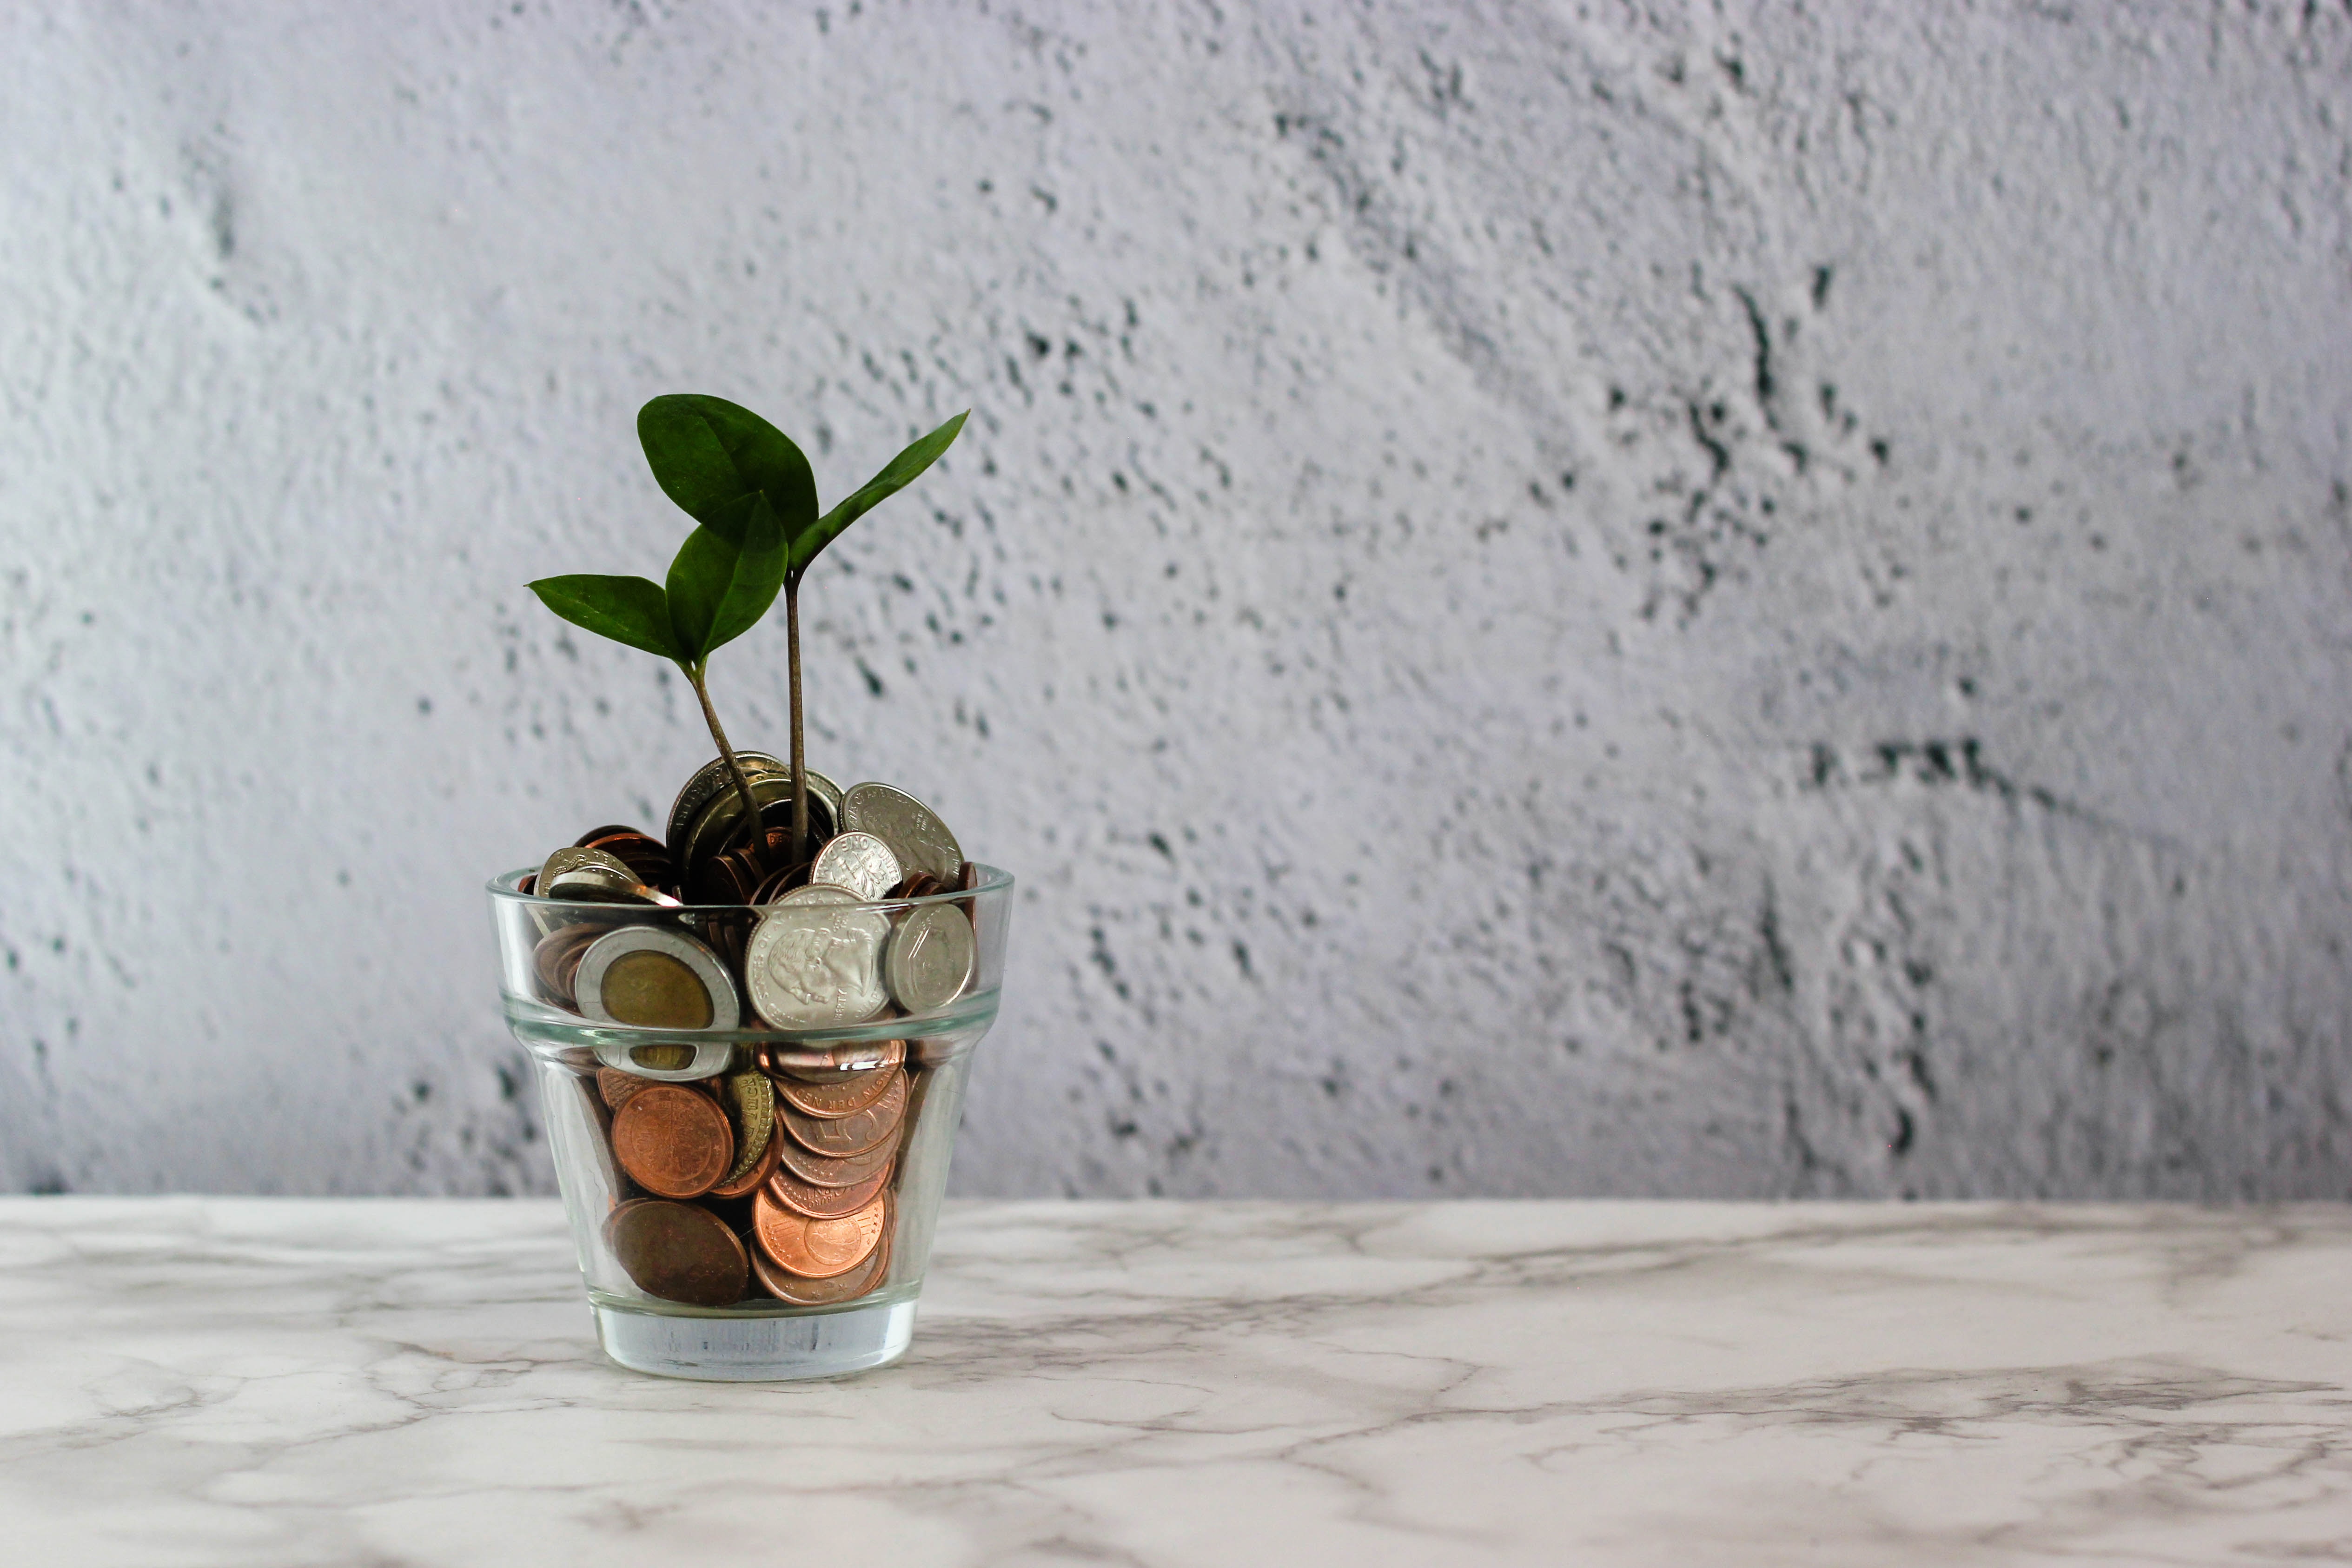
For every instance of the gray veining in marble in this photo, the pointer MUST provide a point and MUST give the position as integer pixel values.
(198, 1382)
(1552, 598)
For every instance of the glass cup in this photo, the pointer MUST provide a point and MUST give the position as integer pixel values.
(750, 1202)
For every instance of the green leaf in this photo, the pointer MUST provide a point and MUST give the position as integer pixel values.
(900, 471)
(625, 609)
(709, 454)
(719, 589)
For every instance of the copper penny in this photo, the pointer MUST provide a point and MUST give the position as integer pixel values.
(679, 1252)
(844, 1096)
(864, 1279)
(825, 1202)
(822, 1170)
(814, 1065)
(845, 1137)
(587, 840)
(557, 959)
(753, 1180)
(675, 1141)
(818, 1249)
(618, 1087)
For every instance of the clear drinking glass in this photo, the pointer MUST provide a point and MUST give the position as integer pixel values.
(656, 1259)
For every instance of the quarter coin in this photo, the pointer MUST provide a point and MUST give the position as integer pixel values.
(861, 1281)
(673, 1141)
(652, 977)
(818, 1249)
(845, 1137)
(912, 829)
(825, 1202)
(585, 875)
(859, 862)
(810, 966)
(716, 826)
(679, 1252)
(929, 959)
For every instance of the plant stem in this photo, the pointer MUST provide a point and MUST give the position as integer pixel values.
(742, 783)
(799, 768)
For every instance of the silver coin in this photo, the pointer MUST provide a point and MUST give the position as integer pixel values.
(912, 829)
(714, 828)
(929, 959)
(813, 966)
(820, 893)
(858, 861)
(648, 976)
(592, 876)
(708, 779)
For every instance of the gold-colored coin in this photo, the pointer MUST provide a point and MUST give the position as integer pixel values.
(751, 1104)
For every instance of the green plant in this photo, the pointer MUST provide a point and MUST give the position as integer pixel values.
(753, 500)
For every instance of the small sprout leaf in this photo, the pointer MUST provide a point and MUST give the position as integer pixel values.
(625, 609)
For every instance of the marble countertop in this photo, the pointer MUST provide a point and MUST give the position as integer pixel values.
(254, 1382)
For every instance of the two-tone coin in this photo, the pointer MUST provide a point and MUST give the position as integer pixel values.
(912, 829)
(719, 824)
(706, 782)
(679, 1252)
(859, 862)
(931, 957)
(654, 977)
(675, 1142)
(813, 966)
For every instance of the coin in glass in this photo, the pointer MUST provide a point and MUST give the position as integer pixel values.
(866, 1278)
(912, 829)
(708, 780)
(716, 826)
(817, 1248)
(674, 1141)
(842, 1094)
(859, 862)
(845, 1137)
(679, 1252)
(654, 976)
(825, 1202)
(823, 1170)
(752, 1180)
(616, 1088)
(812, 966)
(825, 1063)
(751, 1104)
(928, 960)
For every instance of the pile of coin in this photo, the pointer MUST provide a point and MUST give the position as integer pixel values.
(786, 934)
(737, 1172)
(773, 1181)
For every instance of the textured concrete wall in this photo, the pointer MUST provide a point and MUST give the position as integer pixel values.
(1574, 599)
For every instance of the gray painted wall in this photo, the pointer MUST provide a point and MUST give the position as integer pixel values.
(1569, 598)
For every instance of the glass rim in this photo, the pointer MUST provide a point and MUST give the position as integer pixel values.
(505, 886)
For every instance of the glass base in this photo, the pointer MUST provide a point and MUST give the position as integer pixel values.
(757, 1350)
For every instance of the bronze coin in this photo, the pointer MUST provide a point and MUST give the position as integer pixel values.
(861, 1281)
(749, 1101)
(818, 1249)
(617, 1087)
(753, 1180)
(674, 1141)
(824, 1202)
(679, 1252)
(844, 1137)
(556, 960)
(844, 1095)
(822, 1170)
(812, 1065)
(588, 840)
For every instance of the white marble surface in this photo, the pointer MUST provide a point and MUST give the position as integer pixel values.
(264, 1382)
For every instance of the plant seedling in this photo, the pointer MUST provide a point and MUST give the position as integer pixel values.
(753, 501)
